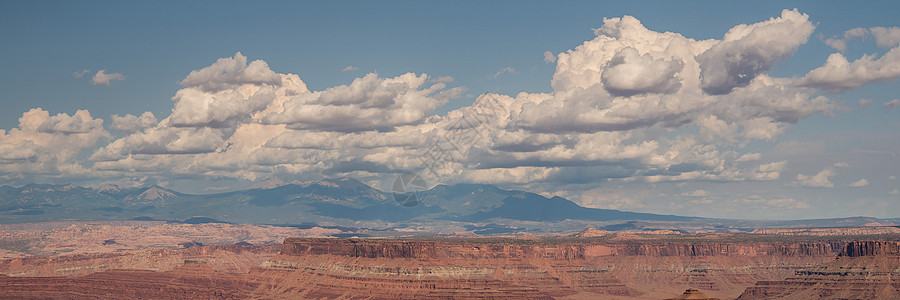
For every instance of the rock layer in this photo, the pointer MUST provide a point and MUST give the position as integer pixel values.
(864, 270)
(871, 248)
(643, 267)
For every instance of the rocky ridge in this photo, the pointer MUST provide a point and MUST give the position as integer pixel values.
(650, 267)
(864, 270)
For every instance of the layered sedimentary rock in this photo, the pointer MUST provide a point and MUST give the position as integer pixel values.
(534, 269)
(561, 251)
(871, 248)
(694, 295)
(222, 258)
(864, 270)
(831, 231)
(588, 268)
(190, 281)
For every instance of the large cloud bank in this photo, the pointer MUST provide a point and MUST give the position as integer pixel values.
(631, 104)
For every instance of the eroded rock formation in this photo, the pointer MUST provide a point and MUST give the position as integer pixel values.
(864, 270)
(648, 268)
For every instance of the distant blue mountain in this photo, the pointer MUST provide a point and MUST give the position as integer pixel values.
(533, 207)
(348, 203)
(337, 201)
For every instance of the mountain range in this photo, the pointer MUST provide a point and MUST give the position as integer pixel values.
(347, 202)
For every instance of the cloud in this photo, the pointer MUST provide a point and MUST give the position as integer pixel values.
(130, 123)
(297, 139)
(626, 107)
(349, 68)
(228, 72)
(895, 192)
(509, 70)
(840, 44)
(887, 37)
(748, 50)
(891, 104)
(841, 164)
(749, 157)
(157, 141)
(590, 95)
(81, 73)
(443, 79)
(101, 78)
(549, 57)
(860, 183)
(43, 144)
(80, 122)
(629, 73)
(774, 203)
(195, 107)
(821, 179)
(695, 193)
(368, 103)
(839, 75)
(864, 102)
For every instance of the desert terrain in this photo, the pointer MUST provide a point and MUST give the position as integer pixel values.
(159, 260)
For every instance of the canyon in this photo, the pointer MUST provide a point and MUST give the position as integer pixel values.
(625, 265)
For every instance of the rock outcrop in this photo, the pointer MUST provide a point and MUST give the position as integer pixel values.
(648, 268)
(535, 268)
(693, 294)
(871, 248)
(190, 281)
(864, 270)
(830, 231)
(374, 248)
(591, 232)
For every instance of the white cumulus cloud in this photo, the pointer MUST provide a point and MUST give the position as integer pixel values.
(887, 37)
(860, 183)
(549, 57)
(45, 144)
(840, 44)
(629, 73)
(821, 179)
(102, 78)
(840, 75)
(748, 50)
(130, 123)
(368, 103)
(228, 72)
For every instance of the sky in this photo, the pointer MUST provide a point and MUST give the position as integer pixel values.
(762, 110)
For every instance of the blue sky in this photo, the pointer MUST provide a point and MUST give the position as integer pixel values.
(495, 47)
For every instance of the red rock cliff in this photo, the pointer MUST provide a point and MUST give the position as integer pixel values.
(563, 251)
(871, 248)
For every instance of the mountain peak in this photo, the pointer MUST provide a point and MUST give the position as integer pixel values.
(156, 192)
(343, 182)
(270, 183)
(108, 188)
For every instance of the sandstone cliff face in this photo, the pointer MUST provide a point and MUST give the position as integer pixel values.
(832, 231)
(728, 249)
(222, 258)
(568, 251)
(394, 268)
(871, 248)
(864, 270)
(425, 269)
(190, 281)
